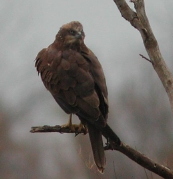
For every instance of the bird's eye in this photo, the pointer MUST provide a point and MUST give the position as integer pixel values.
(72, 32)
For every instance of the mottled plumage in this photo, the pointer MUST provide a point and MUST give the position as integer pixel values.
(74, 77)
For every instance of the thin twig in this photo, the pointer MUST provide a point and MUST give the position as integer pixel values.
(146, 58)
(114, 170)
(146, 173)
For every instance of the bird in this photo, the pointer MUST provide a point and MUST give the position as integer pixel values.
(73, 75)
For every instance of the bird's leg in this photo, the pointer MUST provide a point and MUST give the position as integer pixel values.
(76, 128)
(69, 124)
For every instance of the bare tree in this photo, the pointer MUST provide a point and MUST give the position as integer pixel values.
(138, 20)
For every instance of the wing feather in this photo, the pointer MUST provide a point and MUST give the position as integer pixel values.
(77, 77)
(93, 113)
(74, 76)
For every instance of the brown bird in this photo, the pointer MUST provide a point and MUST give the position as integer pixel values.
(74, 77)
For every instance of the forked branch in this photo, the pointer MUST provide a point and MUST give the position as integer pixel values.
(140, 21)
(123, 148)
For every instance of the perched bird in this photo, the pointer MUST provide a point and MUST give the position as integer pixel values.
(74, 77)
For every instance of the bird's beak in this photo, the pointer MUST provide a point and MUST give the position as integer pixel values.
(78, 35)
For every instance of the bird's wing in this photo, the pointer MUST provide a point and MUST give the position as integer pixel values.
(76, 81)
(99, 80)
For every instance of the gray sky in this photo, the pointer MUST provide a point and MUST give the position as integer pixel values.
(29, 26)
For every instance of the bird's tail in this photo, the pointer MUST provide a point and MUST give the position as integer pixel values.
(97, 147)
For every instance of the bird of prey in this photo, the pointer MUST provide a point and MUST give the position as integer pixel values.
(73, 75)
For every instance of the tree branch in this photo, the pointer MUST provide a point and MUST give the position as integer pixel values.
(115, 145)
(146, 58)
(57, 128)
(145, 161)
(140, 21)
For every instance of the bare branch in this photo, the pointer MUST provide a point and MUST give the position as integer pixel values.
(145, 161)
(146, 58)
(57, 128)
(140, 21)
(123, 148)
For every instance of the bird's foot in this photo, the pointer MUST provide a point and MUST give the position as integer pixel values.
(69, 125)
(75, 128)
(109, 145)
(80, 128)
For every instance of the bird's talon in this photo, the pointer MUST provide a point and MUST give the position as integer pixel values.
(109, 145)
(76, 134)
(82, 129)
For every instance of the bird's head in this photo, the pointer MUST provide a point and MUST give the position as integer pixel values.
(71, 34)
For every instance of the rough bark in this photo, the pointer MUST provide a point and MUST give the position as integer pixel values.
(140, 21)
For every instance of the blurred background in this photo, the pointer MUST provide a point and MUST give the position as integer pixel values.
(140, 113)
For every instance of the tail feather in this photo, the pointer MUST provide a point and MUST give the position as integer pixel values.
(97, 147)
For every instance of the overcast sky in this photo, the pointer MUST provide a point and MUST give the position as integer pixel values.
(29, 26)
